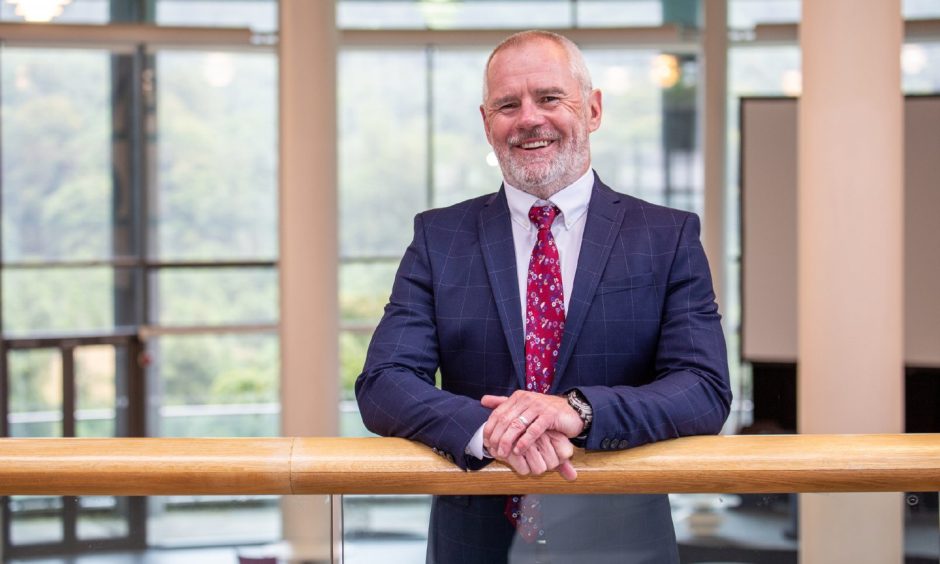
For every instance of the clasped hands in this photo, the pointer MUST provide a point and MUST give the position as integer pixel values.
(530, 432)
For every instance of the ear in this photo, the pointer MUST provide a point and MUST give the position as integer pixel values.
(594, 110)
(486, 124)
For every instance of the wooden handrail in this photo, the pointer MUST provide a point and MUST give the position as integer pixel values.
(724, 464)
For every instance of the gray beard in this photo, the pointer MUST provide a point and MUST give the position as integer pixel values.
(546, 177)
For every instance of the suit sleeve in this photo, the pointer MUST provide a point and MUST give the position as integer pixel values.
(690, 393)
(396, 392)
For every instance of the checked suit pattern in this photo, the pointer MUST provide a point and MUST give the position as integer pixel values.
(642, 342)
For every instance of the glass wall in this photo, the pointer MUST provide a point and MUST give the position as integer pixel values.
(247, 532)
(213, 362)
(753, 528)
(139, 260)
(507, 14)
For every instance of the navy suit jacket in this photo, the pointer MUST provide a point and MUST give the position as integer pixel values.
(642, 342)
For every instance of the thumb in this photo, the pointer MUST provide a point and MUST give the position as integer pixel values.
(567, 471)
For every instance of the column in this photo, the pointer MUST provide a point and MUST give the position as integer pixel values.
(850, 250)
(714, 143)
(309, 255)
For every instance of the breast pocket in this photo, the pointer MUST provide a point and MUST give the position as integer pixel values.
(629, 283)
(628, 304)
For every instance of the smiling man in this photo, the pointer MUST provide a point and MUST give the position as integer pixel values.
(560, 313)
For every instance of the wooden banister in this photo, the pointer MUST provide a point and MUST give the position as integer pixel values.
(723, 464)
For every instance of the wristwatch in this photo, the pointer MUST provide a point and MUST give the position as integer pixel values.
(580, 404)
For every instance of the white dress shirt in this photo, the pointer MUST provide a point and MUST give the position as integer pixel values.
(567, 229)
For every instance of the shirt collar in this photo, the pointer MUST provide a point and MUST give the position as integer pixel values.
(572, 200)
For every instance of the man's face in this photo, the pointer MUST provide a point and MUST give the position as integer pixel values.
(537, 119)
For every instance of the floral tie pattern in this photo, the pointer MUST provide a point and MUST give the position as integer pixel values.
(545, 304)
(544, 327)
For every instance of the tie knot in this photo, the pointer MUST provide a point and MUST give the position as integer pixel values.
(543, 216)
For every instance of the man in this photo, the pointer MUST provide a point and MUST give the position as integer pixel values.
(557, 311)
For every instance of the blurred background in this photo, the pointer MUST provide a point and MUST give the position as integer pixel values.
(140, 236)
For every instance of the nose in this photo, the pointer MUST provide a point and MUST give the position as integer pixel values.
(530, 115)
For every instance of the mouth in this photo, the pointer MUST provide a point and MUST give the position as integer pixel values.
(535, 144)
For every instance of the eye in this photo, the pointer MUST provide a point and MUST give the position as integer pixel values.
(550, 99)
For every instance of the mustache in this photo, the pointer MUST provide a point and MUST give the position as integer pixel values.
(533, 133)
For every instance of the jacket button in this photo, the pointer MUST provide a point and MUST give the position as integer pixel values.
(605, 444)
(622, 444)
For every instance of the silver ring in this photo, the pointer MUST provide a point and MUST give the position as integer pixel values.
(524, 420)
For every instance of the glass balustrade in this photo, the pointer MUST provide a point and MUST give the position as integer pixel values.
(751, 528)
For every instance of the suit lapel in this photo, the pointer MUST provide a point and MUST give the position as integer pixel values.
(604, 218)
(499, 256)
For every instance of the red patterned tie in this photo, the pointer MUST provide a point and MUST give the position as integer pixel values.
(544, 326)
(545, 304)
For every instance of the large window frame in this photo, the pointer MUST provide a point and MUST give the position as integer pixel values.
(133, 49)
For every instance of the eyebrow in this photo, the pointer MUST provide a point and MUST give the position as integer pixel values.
(550, 90)
(503, 100)
(539, 92)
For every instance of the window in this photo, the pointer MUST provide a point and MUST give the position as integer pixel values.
(139, 244)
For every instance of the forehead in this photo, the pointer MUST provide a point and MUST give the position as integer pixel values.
(534, 64)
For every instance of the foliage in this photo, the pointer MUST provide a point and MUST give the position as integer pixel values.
(213, 196)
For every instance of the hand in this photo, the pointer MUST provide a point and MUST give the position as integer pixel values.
(518, 421)
(552, 451)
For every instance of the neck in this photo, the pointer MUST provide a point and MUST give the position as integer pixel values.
(543, 192)
(546, 190)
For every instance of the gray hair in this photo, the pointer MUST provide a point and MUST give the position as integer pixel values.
(575, 58)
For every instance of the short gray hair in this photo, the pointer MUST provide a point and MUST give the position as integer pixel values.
(575, 58)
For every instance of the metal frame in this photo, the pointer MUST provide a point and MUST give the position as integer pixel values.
(128, 423)
(124, 36)
(789, 33)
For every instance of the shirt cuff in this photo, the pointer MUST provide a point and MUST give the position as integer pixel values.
(475, 446)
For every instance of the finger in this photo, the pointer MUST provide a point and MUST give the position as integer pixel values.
(512, 406)
(489, 426)
(533, 433)
(528, 424)
(564, 450)
(536, 462)
(506, 441)
(562, 445)
(519, 464)
(547, 449)
(493, 429)
(500, 417)
(543, 414)
(567, 471)
(492, 402)
(507, 427)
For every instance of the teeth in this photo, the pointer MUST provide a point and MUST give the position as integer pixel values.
(534, 144)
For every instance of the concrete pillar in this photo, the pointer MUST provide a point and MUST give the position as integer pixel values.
(714, 142)
(850, 260)
(309, 250)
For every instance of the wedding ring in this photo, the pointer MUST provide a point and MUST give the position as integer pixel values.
(523, 420)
